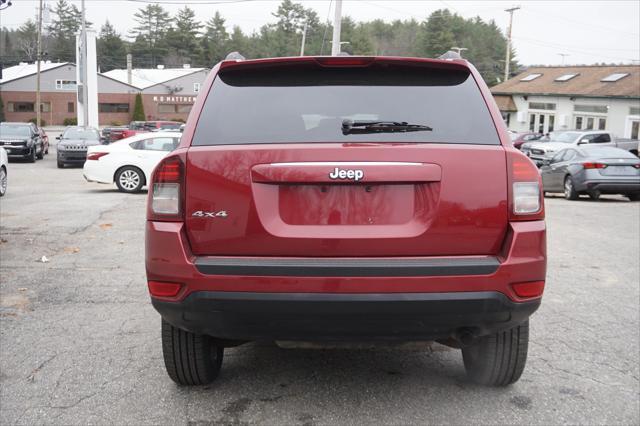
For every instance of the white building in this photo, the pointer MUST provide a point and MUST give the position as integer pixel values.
(544, 99)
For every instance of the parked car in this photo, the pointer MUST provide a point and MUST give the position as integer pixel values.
(136, 127)
(105, 134)
(540, 151)
(519, 138)
(129, 162)
(592, 170)
(4, 172)
(45, 140)
(22, 140)
(336, 198)
(73, 143)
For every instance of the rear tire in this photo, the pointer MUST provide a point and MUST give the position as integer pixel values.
(60, 164)
(570, 192)
(129, 179)
(498, 359)
(190, 359)
(594, 195)
(41, 155)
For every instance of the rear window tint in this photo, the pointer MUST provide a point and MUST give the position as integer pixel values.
(309, 104)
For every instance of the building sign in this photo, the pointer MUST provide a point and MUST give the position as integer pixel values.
(175, 99)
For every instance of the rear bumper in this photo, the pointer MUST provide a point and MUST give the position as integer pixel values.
(340, 298)
(611, 186)
(317, 316)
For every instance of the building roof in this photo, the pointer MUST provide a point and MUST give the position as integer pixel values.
(587, 82)
(25, 69)
(505, 103)
(144, 78)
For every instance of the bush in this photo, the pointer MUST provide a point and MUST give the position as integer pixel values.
(138, 109)
(70, 121)
(42, 122)
(115, 123)
(179, 120)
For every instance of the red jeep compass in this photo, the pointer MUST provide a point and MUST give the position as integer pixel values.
(345, 199)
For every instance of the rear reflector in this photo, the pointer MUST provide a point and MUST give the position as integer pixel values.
(96, 155)
(166, 198)
(341, 61)
(528, 289)
(594, 165)
(526, 197)
(161, 289)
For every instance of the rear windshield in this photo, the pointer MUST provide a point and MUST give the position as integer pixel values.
(291, 105)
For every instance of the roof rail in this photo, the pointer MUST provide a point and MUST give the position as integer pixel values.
(234, 56)
(450, 55)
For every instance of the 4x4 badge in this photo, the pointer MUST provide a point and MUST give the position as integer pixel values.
(200, 213)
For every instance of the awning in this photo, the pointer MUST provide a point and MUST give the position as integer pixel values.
(505, 103)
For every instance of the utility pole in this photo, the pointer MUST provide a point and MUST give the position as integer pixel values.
(304, 38)
(459, 50)
(337, 22)
(507, 60)
(38, 57)
(83, 65)
(563, 56)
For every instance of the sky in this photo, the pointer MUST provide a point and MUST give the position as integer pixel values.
(544, 32)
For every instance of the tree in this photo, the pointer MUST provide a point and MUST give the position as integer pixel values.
(27, 39)
(138, 109)
(150, 33)
(214, 41)
(63, 30)
(112, 51)
(2, 118)
(182, 39)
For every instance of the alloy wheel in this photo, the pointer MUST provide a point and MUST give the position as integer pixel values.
(129, 180)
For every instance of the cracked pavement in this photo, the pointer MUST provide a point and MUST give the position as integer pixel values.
(80, 342)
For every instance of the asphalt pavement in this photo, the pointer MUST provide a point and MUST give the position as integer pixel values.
(80, 341)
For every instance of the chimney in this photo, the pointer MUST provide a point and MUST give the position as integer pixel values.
(129, 61)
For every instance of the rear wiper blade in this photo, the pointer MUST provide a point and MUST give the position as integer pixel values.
(372, 126)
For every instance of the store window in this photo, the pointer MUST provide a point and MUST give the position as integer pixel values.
(184, 108)
(601, 109)
(542, 105)
(167, 108)
(113, 107)
(21, 106)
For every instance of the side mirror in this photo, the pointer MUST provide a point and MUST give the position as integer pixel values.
(58, 137)
(583, 141)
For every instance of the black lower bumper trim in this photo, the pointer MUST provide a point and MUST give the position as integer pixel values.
(352, 317)
(337, 267)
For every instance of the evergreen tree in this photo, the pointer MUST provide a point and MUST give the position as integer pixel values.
(214, 41)
(138, 109)
(112, 52)
(2, 118)
(182, 39)
(150, 34)
(63, 30)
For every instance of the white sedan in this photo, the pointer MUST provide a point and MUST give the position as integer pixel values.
(129, 162)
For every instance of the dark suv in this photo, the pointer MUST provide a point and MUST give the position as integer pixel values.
(22, 140)
(345, 199)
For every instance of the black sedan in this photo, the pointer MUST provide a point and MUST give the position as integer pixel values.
(592, 170)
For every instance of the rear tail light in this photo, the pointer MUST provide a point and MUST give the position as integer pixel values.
(594, 165)
(526, 188)
(163, 289)
(341, 61)
(528, 289)
(168, 189)
(96, 155)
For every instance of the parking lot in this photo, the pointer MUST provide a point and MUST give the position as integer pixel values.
(80, 342)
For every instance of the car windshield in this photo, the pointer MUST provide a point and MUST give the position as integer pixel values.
(14, 130)
(565, 137)
(82, 134)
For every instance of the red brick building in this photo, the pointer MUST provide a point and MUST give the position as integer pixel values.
(167, 94)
